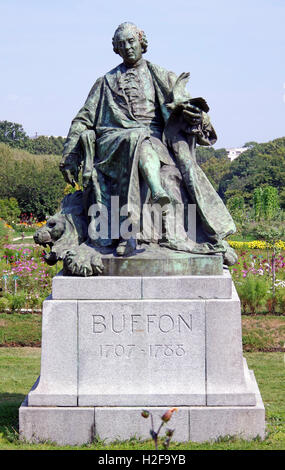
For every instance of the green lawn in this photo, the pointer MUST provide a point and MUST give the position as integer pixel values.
(263, 332)
(28, 240)
(19, 368)
(19, 329)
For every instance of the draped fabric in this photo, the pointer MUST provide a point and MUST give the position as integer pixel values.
(126, 107)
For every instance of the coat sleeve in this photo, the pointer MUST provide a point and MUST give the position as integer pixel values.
(85, 119)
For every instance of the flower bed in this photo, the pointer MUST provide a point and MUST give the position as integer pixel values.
(27, 226)
(256, 245)
(26, 278)
(260, 280)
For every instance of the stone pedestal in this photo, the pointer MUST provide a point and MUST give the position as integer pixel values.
(112, 346)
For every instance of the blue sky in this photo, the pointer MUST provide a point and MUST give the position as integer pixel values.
(51, 52)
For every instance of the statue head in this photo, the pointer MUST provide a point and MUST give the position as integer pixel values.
(129, 42)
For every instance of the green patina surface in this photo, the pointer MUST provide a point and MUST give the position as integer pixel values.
(135, 139)
(174, 264)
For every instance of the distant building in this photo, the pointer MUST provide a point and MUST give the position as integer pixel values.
(235, 152)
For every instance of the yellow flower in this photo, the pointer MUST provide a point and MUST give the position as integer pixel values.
(256, 244)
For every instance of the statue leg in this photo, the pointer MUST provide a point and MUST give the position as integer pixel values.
(87, 140)
(149, 165)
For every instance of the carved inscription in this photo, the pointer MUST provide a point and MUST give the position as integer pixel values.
(147, 325)
(164, 323)
(152, 350)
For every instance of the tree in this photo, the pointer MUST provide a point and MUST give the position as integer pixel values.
(282, 199)
(221, 153)
(249, 144)
(265, 202)
(13, 134)
(33, 180)
(257, 203)
(9, 210)
(270, 202)
(260, 165)
(236, 208)
(215, 169)
(46, 145)
(203, 154)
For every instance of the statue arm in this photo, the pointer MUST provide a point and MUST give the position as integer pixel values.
(207, 134)
(85, 119)
(194, 109)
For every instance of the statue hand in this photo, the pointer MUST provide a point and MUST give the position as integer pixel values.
(69, 171)
(192, 115)
(68, 177)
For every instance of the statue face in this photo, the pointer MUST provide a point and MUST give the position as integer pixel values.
(129, 46)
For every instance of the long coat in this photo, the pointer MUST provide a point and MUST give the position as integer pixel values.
(118, 137)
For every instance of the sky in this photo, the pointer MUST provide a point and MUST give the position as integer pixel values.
(51, 53)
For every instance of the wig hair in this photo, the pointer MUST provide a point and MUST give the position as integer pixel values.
(140, 34)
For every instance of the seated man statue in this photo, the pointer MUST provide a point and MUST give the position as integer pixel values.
(135, 138)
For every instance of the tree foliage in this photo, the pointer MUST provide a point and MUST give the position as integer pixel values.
(205, 153)
(236, 206)
(214, 162)
(261, 165)
(14, 135)
(33, 180)
(265, 202)
(215, 169)
(9, 210)
(46, 145)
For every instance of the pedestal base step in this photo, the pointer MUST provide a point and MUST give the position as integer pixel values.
(80, 425)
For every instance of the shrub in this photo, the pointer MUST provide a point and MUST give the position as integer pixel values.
(4, 304)
(253, 292)
(280, 300)
(17, 301)
(26, 266)
(5, 233)
(35, 302)
(271, 304)
(9, 209)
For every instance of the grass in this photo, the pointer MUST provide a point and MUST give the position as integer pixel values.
(241, 238)
(18, 233)
(263, 333)
(27, 240)
(19, 367)
(18, 329)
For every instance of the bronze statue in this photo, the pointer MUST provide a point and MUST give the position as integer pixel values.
(134, 139)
